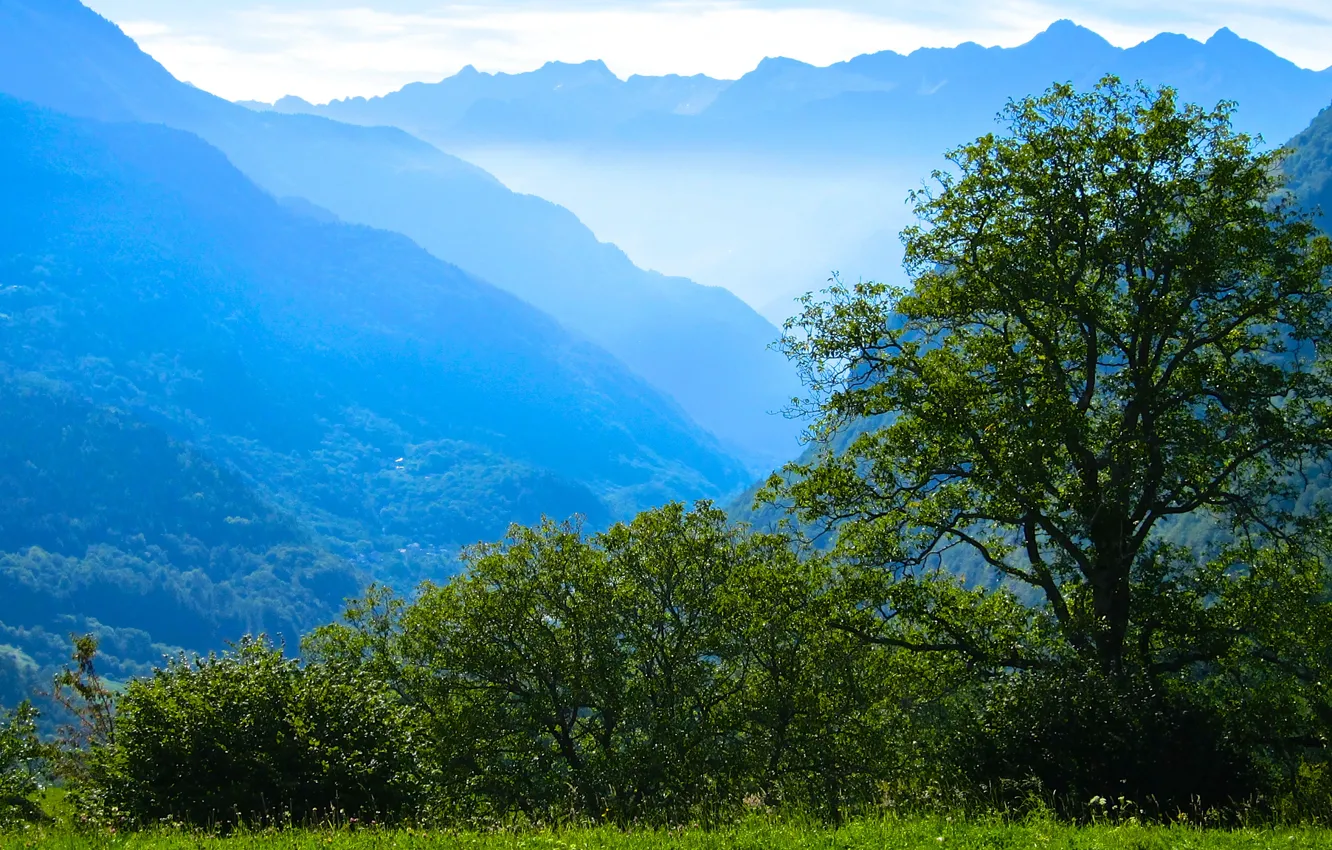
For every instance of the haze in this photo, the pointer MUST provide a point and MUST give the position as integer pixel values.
(320, 50)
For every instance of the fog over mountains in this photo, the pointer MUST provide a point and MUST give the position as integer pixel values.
(767, 183)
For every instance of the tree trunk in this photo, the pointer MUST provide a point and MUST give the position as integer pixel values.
(1111, 596)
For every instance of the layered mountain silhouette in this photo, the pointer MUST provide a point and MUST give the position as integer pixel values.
(557, 102)
(251, 359)
(224, 413)
(873, 103)
(702, 346)
(768, 183)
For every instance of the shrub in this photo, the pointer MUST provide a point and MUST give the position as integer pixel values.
(20, 756)
(253, 737)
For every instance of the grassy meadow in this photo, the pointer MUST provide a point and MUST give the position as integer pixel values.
(753, 835)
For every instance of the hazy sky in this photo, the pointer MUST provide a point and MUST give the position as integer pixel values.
(321, 49)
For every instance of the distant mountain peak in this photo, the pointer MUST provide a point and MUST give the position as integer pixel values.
(592, 68)
(1066, 34)
(593, 64)
(292, 102)
(1170, 39)
(1227, 38)
(778, 64)
(1236, 48)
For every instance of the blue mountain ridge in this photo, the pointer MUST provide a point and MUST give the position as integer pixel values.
(882, 103)
(702, 346)
(794, 171)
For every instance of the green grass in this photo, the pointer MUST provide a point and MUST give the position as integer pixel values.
(754, 835)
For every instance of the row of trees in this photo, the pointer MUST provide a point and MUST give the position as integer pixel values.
(680, 669)
(667, 669)
(1105, 393)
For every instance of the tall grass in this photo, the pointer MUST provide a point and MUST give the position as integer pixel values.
(756, 834)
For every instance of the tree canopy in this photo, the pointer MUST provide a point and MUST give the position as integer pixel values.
(1116, 319)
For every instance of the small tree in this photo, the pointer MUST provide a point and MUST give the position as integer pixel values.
(1116, 321)
(90, 706)
(585, 675)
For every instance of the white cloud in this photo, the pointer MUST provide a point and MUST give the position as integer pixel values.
(263, 50)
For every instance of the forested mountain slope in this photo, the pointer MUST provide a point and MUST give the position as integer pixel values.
(223, 413)
(701, 345)
(111, 526)
(1308, 168)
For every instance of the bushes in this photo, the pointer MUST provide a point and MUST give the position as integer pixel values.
(20, 754)
(1077, 735)
(251, 736)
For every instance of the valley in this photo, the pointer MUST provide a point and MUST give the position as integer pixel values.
(925, 433)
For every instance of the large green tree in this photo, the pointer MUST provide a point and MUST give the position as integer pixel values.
(1116, 320)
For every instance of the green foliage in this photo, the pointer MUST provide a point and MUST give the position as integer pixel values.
(252, 737)
(20, 756)
(679, 669)
(666, 669)
(1307, 167)
(1111, 327)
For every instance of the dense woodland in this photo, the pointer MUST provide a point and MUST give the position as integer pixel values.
(1060, 544)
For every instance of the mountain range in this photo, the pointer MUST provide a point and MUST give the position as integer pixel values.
(252, 359)
(226, 408)
(224, 413)
(702, 346)
(872, 103)
(768, 183)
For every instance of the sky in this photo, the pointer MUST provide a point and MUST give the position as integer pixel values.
(325, 49)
